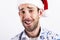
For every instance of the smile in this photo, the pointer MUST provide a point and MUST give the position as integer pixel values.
(28, 22)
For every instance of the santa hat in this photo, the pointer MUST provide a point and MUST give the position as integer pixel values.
(42, 4)
(45, 4)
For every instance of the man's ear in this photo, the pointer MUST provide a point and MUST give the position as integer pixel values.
(18, 13)
(41, 12)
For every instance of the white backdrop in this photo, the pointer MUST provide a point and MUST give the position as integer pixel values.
(10, 24)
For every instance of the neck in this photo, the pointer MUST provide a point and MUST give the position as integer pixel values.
(34, 33)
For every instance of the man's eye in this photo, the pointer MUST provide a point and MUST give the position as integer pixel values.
(30, 10)
(23, 12)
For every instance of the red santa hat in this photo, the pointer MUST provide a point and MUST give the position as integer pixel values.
(45, 2)
(42, 4)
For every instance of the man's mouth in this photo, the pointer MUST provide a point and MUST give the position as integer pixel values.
(28, 22)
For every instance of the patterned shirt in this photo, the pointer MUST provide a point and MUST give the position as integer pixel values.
(44, 35)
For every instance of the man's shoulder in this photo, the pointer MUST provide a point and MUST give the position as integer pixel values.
(50, 34)
(53, 35)
(17, 36)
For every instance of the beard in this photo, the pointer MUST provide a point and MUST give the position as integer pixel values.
(32, 27)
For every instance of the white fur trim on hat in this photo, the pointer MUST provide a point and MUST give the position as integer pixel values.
(37, 3)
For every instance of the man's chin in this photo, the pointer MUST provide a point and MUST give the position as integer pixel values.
(29, 29)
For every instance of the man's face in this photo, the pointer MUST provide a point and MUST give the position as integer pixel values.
(29, 15)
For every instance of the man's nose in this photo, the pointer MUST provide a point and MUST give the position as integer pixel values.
(27, 15)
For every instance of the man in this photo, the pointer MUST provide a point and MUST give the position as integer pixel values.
(30, 11)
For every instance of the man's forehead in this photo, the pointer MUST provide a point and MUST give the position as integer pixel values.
(30, 6)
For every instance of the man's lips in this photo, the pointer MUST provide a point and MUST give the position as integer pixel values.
(28, 22)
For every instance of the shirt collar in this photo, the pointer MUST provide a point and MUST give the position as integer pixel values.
(24, 36)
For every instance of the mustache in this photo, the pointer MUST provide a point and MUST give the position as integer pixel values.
(27, 20)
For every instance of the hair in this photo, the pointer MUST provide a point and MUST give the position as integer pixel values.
(38, 9)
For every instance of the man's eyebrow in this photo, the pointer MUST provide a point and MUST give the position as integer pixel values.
(21, 9)
(27, 7)
(30, 7)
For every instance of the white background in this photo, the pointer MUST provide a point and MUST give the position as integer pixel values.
(10, 24)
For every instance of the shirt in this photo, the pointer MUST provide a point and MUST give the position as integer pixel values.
(44, 35)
